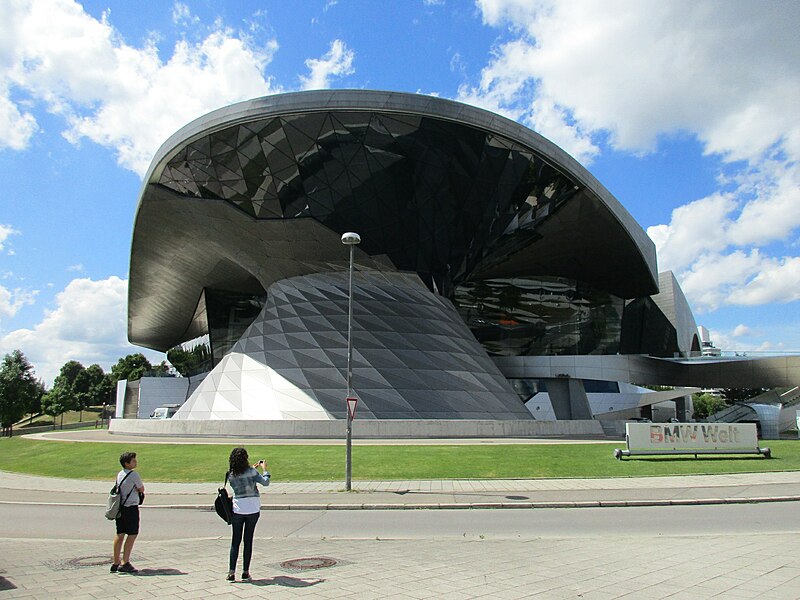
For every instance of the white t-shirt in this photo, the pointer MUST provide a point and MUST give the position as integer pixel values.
(129, 486)
(246, 506)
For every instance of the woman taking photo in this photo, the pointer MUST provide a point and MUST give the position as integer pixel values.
(246, 507)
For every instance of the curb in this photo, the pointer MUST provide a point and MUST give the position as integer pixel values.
(456, 505)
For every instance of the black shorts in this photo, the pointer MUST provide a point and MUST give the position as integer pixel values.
(128, 521)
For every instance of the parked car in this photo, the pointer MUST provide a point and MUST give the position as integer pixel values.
(165, 412)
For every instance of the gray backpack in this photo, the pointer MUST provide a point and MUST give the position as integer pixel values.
(114, 503)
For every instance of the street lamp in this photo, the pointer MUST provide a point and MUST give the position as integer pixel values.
(350, 239)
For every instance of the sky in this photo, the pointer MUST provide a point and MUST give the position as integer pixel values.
(688, 111)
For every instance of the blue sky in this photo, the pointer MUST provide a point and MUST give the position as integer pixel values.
(688, 112)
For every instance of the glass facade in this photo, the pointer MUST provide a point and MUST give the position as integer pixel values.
(646, 330)
(542, 316)
(466, 209)
(437, 197)
(228, 315)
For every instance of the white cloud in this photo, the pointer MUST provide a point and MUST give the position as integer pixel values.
(182, 15)
(724, 70)
(6, 231)
(776, 282)
(772, 210)
(696, 229)
(16, 128)
(12, 300)
(75, 268)
(707, 237)
(552, 121)
(114, 94)
(713, 277)
(337, 62)
(741, 330)
(88, 324)
(631, 73)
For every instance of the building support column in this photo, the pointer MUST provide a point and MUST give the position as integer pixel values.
(568, 398)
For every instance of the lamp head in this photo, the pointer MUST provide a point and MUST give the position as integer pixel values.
(351, 239)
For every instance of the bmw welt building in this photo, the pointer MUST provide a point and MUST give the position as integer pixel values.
(491, 264)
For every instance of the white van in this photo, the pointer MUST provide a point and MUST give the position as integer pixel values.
(165, 412)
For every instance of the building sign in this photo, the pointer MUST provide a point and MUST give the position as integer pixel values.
(668, 437)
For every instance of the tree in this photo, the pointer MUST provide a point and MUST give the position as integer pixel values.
(741, 394)
(706, 404)
(101, 386)
(35, 405)
(91, 387)
(161, 369)
(71, 386)
(131, 367)
(56, 402)
(18, 388)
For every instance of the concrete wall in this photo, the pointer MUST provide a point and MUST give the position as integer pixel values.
(374, 429)
(157, 391)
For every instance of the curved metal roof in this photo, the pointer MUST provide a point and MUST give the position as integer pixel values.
(261, 190)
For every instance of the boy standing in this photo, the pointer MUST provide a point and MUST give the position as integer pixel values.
(131, 489)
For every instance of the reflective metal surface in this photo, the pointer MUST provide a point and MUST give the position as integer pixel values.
(262, 190)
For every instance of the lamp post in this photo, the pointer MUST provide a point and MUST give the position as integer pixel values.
(350, 239)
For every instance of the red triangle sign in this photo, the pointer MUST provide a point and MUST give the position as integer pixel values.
(351, 407)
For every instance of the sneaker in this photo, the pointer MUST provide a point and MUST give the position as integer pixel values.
(114, 567)
(127, 568)
(246, 576)
(230, 576)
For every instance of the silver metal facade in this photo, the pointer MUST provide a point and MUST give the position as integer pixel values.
(253, 199)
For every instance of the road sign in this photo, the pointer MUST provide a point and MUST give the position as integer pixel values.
(351, 407)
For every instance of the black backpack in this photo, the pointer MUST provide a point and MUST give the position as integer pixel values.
(223, 504)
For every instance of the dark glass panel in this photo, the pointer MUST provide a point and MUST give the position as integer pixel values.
(646, 330)
(437, 197)
(229, 314)
(530, 317)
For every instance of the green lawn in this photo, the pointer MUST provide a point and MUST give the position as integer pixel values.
(205, 462)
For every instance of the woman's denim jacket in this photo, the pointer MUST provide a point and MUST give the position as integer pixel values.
(244, 485)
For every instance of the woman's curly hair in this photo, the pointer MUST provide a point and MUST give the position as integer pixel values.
(239, 461)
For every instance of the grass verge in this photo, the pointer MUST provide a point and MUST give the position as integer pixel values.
(206, 462)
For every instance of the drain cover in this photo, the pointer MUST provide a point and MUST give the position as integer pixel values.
(309, 563)
(80, 562)
(88, 561)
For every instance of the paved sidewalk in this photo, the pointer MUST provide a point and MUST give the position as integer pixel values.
(736, 567)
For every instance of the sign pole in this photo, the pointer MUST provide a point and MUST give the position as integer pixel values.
(350, 239)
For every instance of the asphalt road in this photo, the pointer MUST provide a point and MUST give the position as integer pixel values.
(87, 522)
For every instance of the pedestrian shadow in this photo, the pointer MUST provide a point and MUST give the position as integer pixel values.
(155, 572)
(5, 584)
(283, 581)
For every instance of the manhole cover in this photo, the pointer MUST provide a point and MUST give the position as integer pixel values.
(306, 564)
(88, 561)
(80, 562)
(517, 498)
